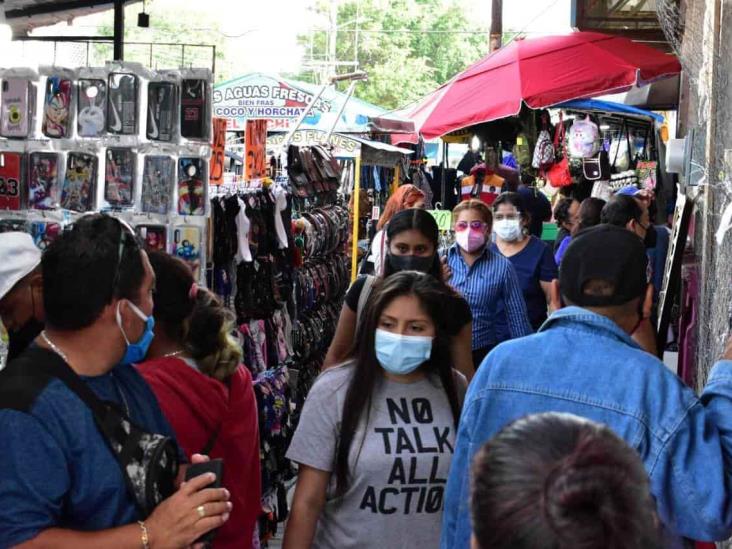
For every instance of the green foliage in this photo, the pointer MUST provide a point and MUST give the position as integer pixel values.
(403, 61)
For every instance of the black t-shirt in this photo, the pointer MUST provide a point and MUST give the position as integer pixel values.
(457, 309)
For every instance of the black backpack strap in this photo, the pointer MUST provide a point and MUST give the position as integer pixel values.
(51, 364)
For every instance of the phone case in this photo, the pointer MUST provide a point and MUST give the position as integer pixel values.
(42, 180)
(91, 120)
(15, 108)
(56, 107)
(187, 246)
(193, 108)
(119, 177)
(154, 237)
(11, 166)
(44, 233)
(191, 191)
(157, 184)
(79, 185)
(122, 104)
(161, 98)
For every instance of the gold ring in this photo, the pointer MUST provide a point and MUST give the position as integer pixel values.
(201, 510)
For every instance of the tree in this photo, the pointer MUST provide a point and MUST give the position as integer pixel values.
(407, 47)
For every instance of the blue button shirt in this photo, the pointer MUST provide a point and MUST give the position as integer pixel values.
(583, 363)
(489, 281)
(56, 469)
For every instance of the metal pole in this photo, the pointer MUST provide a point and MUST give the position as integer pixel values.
(496, 35)
(442, 173)
(291, 132)
(349, 94)
(151, 59)
(213, 61)
(119, 30)
(183, 55)
(356, 218)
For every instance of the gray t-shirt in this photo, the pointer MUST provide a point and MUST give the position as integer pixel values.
(398, 469)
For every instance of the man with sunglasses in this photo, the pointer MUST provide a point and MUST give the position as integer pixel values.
(61, 484)
(21, 290)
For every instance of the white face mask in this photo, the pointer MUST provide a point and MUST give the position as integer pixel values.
(509, 230)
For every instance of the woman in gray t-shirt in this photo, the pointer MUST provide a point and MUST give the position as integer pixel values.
(377, 434)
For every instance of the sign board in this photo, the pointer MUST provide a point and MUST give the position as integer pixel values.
(261, 97)
(343, 146)
(255, 149)
(218, 152)
(443, 219)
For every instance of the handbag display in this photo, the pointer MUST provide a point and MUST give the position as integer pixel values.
(597, 167)
(544, 152)
(559, 174)
(584, 139)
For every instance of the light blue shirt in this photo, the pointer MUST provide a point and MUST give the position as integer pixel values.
(583, 363)
(490, 280)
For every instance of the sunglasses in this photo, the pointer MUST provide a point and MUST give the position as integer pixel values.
(461, 226)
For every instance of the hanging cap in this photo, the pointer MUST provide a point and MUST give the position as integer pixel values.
(604, 252)
(18, 257)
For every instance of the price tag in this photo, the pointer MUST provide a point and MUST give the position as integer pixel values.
(375, 213)
(443, 219)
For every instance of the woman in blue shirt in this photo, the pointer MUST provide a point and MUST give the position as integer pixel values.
(484, 278)
(532, 259)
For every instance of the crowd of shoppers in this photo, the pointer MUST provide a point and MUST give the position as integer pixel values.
(466, 400)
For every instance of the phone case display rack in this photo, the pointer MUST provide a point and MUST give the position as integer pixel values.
(118, 139)
(279, 256)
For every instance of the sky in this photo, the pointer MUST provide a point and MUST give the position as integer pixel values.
(265, 31)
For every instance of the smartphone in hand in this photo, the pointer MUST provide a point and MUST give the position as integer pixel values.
(215, 466)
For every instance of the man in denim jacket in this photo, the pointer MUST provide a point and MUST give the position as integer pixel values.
(584, 362)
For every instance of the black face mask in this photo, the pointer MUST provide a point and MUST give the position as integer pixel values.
(410, 262)
(651, 237)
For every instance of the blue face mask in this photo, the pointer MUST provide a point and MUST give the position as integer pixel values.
(401, 354)
(136, 352)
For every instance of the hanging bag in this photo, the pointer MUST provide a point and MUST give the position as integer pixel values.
(544, 153)
(148, 461)
(596, 168)
(584, 139)
(559, 175)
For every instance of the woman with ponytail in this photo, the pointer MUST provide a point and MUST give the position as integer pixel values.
(194, 367)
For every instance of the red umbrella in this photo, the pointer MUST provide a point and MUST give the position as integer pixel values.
(540, 72)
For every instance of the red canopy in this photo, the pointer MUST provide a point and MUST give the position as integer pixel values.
(540, 72)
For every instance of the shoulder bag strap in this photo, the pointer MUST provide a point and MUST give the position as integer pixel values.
(206, 450)
(363, 299)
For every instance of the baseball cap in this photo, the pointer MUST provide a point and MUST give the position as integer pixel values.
(604, 252)
(18, 257)
(630, 190)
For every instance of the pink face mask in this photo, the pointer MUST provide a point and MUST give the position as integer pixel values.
(470, 240)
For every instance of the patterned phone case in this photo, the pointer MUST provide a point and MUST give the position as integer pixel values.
(15, 108)
(119, 177)
(193, 108)
(154, 237)
(44, 233)
(92, 117)
(122, 105)
(191, 190)
(161, 98)
(42, 180)
(11, 166)
(77, 193)
(157, 184)
(57, 107)
(187, 246)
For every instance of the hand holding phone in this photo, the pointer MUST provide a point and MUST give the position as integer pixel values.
(215, 466)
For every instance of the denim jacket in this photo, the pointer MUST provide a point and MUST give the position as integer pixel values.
(584, 364)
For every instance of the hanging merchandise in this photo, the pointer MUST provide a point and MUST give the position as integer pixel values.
(161, 110)
(559, 175)
(157, 183)
(584, 138)
(79, 184)
(17, 103)
(154, 237)
(43, 182)
(91, 118)
(122, 104)
(195, 105)
(544, 152)
(119, 179)
(191, 186)
(597, 167)
(57, 104)
(522, 151)
(11, 167)
(187, 245)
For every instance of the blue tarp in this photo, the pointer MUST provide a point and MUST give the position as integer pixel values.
(608, 107)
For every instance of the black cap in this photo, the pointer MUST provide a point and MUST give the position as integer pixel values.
(609, 253)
